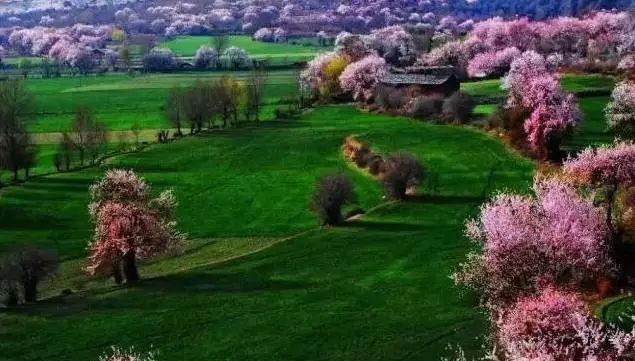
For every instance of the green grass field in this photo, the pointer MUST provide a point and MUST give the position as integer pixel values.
(119, 101)
(574, 83)
(275, 52)
(374, 289)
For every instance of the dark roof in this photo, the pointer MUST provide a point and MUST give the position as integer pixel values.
(433, 75)
(419, 79)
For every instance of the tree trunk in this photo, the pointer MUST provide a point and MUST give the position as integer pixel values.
(116, 273)
(30, 290)
(15, 174)
(553, 149)
(130, 267)
(13, 298)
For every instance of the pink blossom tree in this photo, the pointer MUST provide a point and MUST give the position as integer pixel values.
(129, 225)
(607, 170)
(360, 78)
(351, 46)
(492, 63)
(556, 325)
(312, 76)
(394, 44)
(620, 112)
(554, 236)
(533, 86)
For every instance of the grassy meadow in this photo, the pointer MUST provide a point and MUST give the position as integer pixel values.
(121, 101)
(381, 281)
(186, 46)
(574, 83)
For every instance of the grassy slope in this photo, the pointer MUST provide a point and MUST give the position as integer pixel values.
(187, 46)
(119, 100)
(374, 289)
(575, 83)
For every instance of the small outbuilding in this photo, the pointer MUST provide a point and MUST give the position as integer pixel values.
(440, 80)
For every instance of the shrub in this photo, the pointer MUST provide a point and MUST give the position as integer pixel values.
(159, 59)
(330, 85)
(396, 99)
(511, 119)
(356, 151)
(402, 171)
(205, 57)
(375, 164)
(426, 106)
(22, 270)
(331, 194)
(458, 108)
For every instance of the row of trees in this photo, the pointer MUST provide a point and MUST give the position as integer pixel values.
(85, 142)
(399, 174)
(226, 98)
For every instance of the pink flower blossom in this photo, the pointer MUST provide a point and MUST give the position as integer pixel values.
(557, 326)
(611, 165)
(529, 241)
(492, 63)
(360, 78)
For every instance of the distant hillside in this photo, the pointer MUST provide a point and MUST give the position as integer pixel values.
(476, 8)
(536, 8)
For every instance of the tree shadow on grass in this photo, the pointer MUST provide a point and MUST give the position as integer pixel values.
(16, 218)
(385, 226)
(216, 282)
(166, 288)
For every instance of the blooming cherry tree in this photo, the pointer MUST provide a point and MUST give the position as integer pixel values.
(533, 86)
(529, 241)
(556, 325)
(492, 63)
(608, 170)
(128, 225)
(360, 78)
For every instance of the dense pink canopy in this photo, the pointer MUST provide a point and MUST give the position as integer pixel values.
(531, 240)
(612, 164)
(556, 325)
(361, 77)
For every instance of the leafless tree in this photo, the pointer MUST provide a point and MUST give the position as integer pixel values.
(26, 268)
(175, 108)
(220, 43)
(88, 135)
(401, 172)
(331, 194)
(16, 147)
(255, 90)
